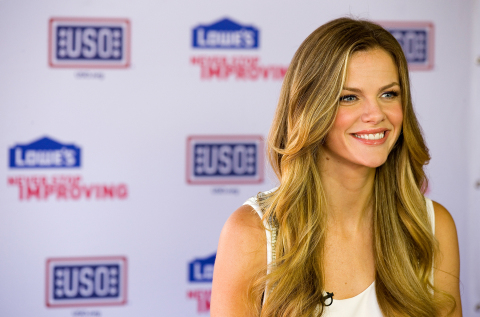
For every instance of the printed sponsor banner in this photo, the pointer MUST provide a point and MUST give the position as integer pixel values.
(201, 271)
(47, 153)
(89, 43)
(417, 41)
(247, 68)
(225, 159)
(90, 281)
(44, 153)
(225, 34)
(64, 187)
(203, 298)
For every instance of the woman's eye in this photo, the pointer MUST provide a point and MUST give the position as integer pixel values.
(348, 98)
(390, 94)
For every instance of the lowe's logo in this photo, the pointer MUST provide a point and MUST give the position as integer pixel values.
(225, 34)
(44, 153)
(89, 43)
(224, 160)
(86, 281)
(201, 270)
(416, 39)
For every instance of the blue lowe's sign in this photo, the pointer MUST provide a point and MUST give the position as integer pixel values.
(225, 34)
(86, 281)
(224, 160)
(84, 42)
(201, 270)
(417, 41)
(45, 153)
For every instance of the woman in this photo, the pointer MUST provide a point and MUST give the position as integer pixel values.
(349, 216)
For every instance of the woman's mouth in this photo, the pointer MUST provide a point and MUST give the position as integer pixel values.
(370, 136)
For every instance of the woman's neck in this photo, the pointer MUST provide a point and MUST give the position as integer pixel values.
(348, 189)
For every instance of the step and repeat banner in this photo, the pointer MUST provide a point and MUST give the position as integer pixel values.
(130, 131)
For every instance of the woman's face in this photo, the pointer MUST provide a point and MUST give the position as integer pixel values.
(369, 118)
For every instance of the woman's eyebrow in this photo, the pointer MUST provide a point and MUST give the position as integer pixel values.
(390, 85)
(381, 88)
(352, 89)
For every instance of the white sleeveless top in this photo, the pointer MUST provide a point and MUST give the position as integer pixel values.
(364, 304)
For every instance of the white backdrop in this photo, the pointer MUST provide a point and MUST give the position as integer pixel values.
(127, 232)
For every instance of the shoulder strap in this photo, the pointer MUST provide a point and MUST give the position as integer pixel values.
(431, 213)
(271, 237)
(431, 217)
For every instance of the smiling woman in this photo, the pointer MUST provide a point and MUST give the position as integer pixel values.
(348, 231)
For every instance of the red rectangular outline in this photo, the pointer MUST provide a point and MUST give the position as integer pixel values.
(226, 137)
(431, 39)
(74, 259)
(113, 20)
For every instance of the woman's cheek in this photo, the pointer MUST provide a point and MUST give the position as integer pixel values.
(395, 115)
(396, 119)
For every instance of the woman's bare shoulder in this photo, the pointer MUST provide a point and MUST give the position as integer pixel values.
(243, 235)
(442, 215)
(445, 232)
(447, 262)
(241, 255)
(244, 220)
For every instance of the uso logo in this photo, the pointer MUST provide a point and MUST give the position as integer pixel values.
(89, 43)
(97, 281)
(225, 34)
(417, 41)
(224, 159)
(201, 270)
(44, 153)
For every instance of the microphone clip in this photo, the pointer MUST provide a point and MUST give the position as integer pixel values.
(327, 297)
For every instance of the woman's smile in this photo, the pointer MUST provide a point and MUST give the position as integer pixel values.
(372, 137)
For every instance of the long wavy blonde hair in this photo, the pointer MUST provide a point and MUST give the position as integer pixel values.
(404, 244)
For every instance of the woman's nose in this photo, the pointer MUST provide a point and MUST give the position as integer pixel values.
(372, 112)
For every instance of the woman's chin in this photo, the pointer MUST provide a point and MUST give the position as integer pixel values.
(374, 163)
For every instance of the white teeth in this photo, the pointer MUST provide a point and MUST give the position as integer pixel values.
(376, 136)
